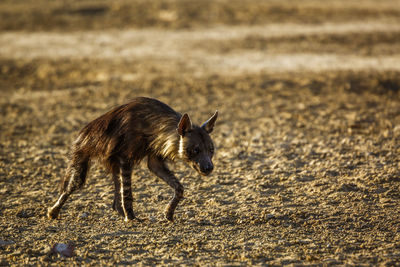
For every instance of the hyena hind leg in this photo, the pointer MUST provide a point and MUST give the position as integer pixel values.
(123, 190)
(117, 195)
(73, 180)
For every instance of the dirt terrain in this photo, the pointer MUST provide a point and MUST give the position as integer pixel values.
(307, 165)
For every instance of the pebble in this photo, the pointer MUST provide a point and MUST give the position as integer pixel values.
(6, 242)
(65, 250)
(84, 215)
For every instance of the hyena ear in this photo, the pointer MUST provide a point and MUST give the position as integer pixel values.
(184, 125)
(209, 124)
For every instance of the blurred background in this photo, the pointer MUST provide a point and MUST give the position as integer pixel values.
(307, 165)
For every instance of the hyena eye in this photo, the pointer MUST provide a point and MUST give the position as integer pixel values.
(193, 151)
(196, 151)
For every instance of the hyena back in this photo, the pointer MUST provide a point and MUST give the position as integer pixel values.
(124, 136)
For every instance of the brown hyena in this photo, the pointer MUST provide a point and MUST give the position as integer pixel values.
(124, 136)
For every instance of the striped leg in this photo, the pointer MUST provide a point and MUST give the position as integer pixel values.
(117, 195)
(123, 191)
(74, 179)
(158, 167)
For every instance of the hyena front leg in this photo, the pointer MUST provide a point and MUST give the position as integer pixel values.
(123, 191)
(158, 167)
(117, 194)
(74, 179)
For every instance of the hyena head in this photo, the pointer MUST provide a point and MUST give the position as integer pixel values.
(195, 144)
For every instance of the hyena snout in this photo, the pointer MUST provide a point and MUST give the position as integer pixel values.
(206, 167)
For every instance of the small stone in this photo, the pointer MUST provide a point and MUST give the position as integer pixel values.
(190, 213)
(153, 219)
(6, 242)
(270, 216)
(64, 250)
(84, 215)
(25, 214)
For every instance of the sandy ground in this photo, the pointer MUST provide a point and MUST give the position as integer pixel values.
(307, 142)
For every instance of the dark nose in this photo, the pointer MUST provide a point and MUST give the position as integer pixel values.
(207, 168)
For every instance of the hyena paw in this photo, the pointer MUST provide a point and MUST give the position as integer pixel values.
(129, 216)
(169, 216)
(118, 208)
(52, 214)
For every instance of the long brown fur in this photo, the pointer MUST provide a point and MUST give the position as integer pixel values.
(124, 136)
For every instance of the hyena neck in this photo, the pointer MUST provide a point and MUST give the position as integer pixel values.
(180, 147)
(166, 142)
